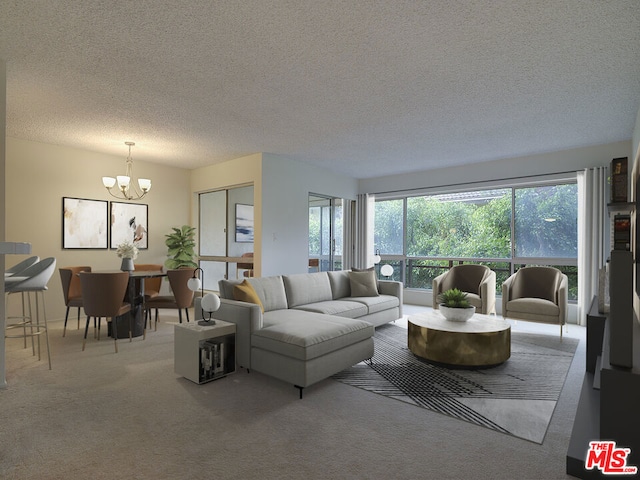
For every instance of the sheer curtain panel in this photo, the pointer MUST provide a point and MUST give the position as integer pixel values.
(364, 230)
(592, 230)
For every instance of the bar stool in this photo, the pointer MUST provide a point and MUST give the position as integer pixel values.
(32, 279)
(20, 266)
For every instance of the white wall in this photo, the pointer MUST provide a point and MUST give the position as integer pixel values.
(286, 185)
(38, 175)
(554, 162)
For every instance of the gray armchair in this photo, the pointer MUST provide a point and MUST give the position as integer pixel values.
(477, 281)
(536, 294)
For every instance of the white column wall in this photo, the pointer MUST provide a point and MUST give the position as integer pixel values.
(286, 185)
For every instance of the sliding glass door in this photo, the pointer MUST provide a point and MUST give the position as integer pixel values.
(325, 233)
(225, 233)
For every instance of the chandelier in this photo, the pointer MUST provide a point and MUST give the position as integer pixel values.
(126, 190)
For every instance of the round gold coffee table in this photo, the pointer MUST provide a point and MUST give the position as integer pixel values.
(481, 341)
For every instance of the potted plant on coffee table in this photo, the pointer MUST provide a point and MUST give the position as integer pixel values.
(454, 305)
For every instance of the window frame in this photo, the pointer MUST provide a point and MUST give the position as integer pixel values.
(402, 262)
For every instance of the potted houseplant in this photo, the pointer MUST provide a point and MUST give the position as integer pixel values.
(181, 246)
(454, 305)
(127, 252)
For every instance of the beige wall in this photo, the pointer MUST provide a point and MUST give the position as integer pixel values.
(241, 171)
(3, 125)
(38, 175)
(281, 197)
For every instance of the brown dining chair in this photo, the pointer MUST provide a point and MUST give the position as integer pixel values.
(103, 296)
(182, 297)
(151, 285)
(247, 267)
(72, 290)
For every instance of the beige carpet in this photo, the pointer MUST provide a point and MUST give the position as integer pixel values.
(129, 416)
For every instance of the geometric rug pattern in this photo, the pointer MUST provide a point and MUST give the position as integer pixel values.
(517, 397)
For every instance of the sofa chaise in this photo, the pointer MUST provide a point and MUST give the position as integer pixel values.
(303, 328)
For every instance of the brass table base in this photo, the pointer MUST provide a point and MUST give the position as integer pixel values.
(482, 341)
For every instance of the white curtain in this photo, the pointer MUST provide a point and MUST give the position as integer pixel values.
(592, 218)
(348, 241)
(364, 231)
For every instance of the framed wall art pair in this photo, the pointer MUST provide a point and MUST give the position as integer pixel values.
(99, 224)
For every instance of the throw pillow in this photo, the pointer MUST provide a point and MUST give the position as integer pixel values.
(363, 284)
(246, 293)
(370, 269)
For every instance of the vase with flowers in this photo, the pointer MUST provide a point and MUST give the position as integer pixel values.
(127, 252)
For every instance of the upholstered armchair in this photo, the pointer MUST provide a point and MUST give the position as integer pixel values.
(477, 281)
(536, 294)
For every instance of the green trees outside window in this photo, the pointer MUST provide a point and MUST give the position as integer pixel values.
(422, 236)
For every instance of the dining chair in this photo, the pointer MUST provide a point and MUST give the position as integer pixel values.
(18, 267)
(103, 295)
(72, 290)
(247, 267)
(152, 285)
(32, 279)
(182, 297)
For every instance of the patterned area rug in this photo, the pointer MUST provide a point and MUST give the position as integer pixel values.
(516, 398)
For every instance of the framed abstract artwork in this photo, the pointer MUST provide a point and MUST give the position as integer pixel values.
(84, 223)
(244, 223)
(129, 223)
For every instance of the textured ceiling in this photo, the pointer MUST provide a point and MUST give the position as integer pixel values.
(366, 88)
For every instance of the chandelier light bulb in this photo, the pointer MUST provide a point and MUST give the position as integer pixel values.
(108, 182)
(127, 190)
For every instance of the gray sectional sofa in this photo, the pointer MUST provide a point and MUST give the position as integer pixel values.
(312, 325)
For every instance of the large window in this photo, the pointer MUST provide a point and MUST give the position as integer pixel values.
(472, 225)
(389, 218)
(546, 221)
(423, 236)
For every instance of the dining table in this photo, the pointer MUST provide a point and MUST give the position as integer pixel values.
(135, 296)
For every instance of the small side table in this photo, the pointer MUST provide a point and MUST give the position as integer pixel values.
(204, 353)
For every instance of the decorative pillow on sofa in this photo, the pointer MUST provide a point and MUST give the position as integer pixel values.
(370, 269)
(363, 284)
(246, 293)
